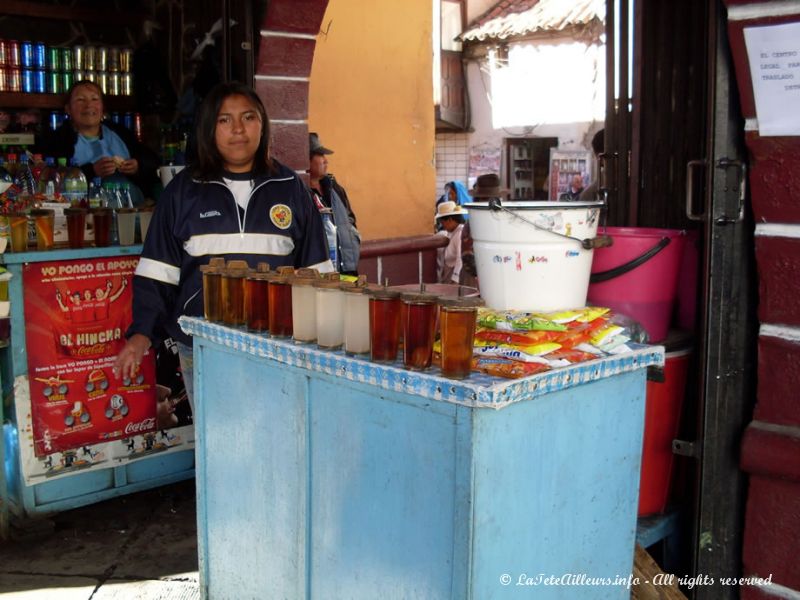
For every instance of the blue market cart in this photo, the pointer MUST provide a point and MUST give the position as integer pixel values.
(17, 499)
(323, 476)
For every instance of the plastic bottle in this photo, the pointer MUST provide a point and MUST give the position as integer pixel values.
(6, 181)
(23, 179)
(61, 168)
(11, 164)
(126, 200)
(114, 201)
(49, 183)
(37, 166)
(76, 189)
(330, 235)
(97, 195)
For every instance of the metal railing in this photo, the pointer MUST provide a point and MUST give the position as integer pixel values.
(419, 244)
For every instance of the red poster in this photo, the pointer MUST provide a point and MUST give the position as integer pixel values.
(76, 314)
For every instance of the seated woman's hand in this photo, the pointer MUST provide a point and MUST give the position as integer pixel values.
(129, 166)
(104, 167)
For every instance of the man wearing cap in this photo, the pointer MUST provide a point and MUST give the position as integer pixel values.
(448, 261)
(328, 194)
(486, 188)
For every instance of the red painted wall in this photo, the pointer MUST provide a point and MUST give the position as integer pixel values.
(770, 451)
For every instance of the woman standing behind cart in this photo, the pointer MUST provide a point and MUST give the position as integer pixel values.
(235, 202)
(101, 148)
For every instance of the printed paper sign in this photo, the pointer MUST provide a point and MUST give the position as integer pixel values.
(76, 314)
(774, 56)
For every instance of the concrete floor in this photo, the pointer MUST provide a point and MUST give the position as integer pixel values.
(139, 547)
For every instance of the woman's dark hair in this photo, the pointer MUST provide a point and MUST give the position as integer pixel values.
(209, 160)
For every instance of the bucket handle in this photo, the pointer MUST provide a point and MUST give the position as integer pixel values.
(600, 241)
(631, 265)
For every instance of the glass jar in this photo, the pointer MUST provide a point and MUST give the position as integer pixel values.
(256, 299)
(212, 289)
(233, 293)
(330, 312)
(280, 302)
(356, 319)
(304, 306)
(384, 324)
(457, 324)
(419, 329)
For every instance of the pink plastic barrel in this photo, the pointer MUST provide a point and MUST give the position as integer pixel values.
(641, 275)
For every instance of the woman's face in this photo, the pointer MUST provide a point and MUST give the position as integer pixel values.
(238, 133)
(85, 108)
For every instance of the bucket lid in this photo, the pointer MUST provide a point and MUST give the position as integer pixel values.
(260, 273)
(535, 205)
(383, 293)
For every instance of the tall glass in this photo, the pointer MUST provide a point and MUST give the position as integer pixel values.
(419, 329)
(145, 216)
(43, 219)
(280, 307)
(18, 223)
(126, 225)
(212, 289)
(304, 306)
(257, 302)
(356, 321)
(457, 322)
(233, 293)
(330, 315)
(384, 325)
(101, 219)
(76, 225)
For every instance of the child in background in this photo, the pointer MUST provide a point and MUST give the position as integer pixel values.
(450, 216)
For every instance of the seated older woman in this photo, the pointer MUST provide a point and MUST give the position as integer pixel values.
(101, 148)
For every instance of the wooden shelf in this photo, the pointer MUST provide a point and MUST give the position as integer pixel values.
(40, 10)
(56, 101)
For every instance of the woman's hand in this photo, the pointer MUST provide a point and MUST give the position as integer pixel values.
(129, 166)
(130, 357)
(105, 166)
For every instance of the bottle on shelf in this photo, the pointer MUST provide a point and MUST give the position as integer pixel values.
(62, 171)
(114, 199)
(126, 199)
(24, 181)
(49, 183)
(97, 195)
(330, 236)
(11, 164)
(76, 188)
(6, 181)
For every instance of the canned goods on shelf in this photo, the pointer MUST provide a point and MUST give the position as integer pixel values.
(90, 75)
(27, 81)
(127, 120)
(113, 84)
(78, 56)
(113, 59)
(3, 78)
(39, 81)
(54, 58)
(126, 84)
(126, 60)
(101, 58)
(89, 58)
(67, 78)
(78, 75)
(102, 81)
(26, 50)
(39, 55)
(14, 79)
(12, 53)
(115, 117)
(137, 126)
(55, 81)
(3, 53)
(66, 59)
(54, 120)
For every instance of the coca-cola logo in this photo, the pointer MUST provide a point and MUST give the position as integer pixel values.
(141, 426)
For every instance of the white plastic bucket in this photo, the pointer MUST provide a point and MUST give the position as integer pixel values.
(523, 258)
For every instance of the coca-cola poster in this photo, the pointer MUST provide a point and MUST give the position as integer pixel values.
(76, 314)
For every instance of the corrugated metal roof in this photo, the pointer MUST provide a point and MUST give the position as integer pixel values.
(510, 18)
